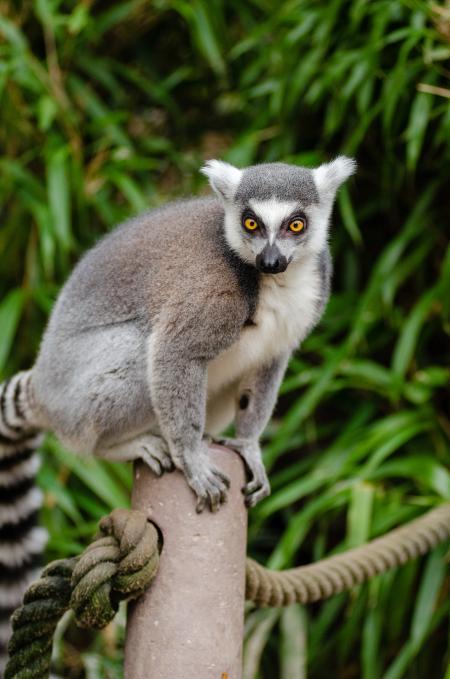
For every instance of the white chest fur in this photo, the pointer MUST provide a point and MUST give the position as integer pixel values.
(287, 307)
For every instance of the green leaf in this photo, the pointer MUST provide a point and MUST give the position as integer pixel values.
(293, 650)
(417, 127)
(421, 468)
(59, 196)
(46, 111)
(370, 651)
(425, 604)
(407, 341)
(256, 640)
(13, 34)
(11, 309)
(201, 19)
(348, 215)
(359, 515)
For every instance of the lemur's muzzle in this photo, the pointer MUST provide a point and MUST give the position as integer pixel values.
(270, 260)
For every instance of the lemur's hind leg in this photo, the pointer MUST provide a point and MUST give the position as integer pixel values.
(149, 448)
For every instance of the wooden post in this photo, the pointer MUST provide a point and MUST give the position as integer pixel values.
(190, 623)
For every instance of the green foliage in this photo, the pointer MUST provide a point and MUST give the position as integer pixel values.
(108, 108)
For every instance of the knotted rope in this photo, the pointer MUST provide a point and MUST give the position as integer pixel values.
(122, 562)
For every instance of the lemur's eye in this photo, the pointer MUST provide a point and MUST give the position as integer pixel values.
(297, 225)
(250, 224)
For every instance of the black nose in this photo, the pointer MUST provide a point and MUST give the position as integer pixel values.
(270, 260)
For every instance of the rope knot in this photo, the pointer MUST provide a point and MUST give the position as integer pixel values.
(118, 565)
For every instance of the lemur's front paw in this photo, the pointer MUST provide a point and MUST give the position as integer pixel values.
(207, 481)
(155, 454)
(258, 486)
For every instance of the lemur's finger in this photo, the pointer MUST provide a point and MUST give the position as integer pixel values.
(201, 503)
(223, 477)
(214, 493)
(222, 494)
(153, 464)
(167, 464)
(214, 501)
(254, 498)
(220, 498)
(158, 461)
(252, 486)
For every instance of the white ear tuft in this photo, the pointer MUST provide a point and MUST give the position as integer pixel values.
(223, 177)
(330, 176)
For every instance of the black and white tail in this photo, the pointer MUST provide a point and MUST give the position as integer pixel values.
(21, 539)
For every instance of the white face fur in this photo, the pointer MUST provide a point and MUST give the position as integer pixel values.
(276, 213)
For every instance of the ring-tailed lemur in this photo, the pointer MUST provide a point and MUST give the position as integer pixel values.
(173, 325)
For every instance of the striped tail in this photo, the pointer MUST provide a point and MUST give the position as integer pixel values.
(22, 541)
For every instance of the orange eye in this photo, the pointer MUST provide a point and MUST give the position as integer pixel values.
(250, 224)
(297, 225)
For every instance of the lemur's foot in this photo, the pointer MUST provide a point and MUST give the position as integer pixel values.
(207, 481)
(149, 448)
(155, 453)
(258, 486)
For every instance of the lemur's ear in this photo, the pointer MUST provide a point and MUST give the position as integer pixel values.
(223, 177)
(330, 176)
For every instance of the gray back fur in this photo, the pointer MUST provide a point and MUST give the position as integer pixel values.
(90, 375)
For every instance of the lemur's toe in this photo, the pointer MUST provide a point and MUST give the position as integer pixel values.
(153, 464)
(158, 460)
(255, 497)
(255, 491)
(201, 504)
(222, 477)
(167, 464)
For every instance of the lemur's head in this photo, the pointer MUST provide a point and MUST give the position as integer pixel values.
(276, 213)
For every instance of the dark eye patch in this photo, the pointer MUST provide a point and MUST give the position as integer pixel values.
(249, 214)
(295, 216)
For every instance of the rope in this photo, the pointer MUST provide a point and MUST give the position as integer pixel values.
(330, 576)
(122, 562)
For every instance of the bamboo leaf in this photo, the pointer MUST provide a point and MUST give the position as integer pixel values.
(11, 309)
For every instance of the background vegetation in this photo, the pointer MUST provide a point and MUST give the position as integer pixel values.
(108, 108)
